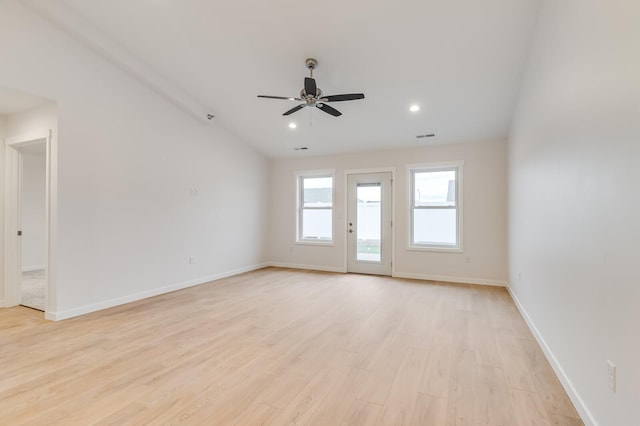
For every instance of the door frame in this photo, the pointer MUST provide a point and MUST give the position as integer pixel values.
(12, 198)
(391, 170)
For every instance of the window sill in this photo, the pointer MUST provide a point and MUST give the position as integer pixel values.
(436, 249)
(316, 243)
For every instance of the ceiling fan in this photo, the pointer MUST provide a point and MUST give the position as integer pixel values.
(312, 96)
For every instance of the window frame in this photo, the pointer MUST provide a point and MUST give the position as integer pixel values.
(311, 174)
(412, 169)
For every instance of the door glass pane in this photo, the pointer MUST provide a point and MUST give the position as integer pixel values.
(434, 226)
(369, 222)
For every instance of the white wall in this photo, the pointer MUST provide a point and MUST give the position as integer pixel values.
(574, 156)
(39, 119)
(2, 136)
(127, 159)
(484, 212)
(33, 239)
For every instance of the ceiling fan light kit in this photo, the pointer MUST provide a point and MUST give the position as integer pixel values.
(312, 96)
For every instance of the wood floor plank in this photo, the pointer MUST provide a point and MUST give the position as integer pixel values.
(547, 385)
(492, 395)
(282, 346)
(437, 373)
(388, 361)
(362, 413)
(261, 414)
(463, 407)
(484, 342)
(399, 406)
(430, 410)
(307, 401)
(528, 408)
(334, 408)
(514, 362)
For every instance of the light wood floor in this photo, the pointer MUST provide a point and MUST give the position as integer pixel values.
(278, 346)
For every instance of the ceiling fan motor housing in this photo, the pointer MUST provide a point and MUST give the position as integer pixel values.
(307, 96)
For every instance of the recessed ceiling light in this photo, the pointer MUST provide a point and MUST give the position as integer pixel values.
(414, 108)
(292, 125)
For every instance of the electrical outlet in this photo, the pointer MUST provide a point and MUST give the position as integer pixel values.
(192, 260)
(611, 375)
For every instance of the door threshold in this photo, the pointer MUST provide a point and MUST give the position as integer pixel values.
(31, 307)
(368, 273)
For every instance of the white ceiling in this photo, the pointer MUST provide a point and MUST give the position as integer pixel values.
(460, 60)
(12, 101)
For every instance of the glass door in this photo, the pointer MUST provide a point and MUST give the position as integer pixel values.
(369, 223)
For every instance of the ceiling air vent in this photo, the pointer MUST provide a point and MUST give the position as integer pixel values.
(428, 135)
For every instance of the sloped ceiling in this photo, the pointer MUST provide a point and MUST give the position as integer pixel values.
(460, 60)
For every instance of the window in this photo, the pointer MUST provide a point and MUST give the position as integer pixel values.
(315, 208)
(436, 214)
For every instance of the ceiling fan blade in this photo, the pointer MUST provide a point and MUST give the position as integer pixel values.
(310, 87)
(329, 110)
(294, 109)
(345, 97)
(279, 97)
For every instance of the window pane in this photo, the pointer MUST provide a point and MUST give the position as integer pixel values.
(434, 226)
(317, 192)
(316, 224)
(369, 224)
(435, 188)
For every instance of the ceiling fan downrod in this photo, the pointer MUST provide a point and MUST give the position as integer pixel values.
(311, 65)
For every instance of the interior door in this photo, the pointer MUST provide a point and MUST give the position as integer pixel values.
(369, 223)
(32, 219)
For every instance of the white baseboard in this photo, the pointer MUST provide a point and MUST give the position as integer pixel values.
(2, 303)
(342, 269)
(448, 279)
(81, 310)
(33, 268)
(578, 402)
(311, 267)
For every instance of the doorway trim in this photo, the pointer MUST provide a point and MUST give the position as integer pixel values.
(391, 170)
(12, 197)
